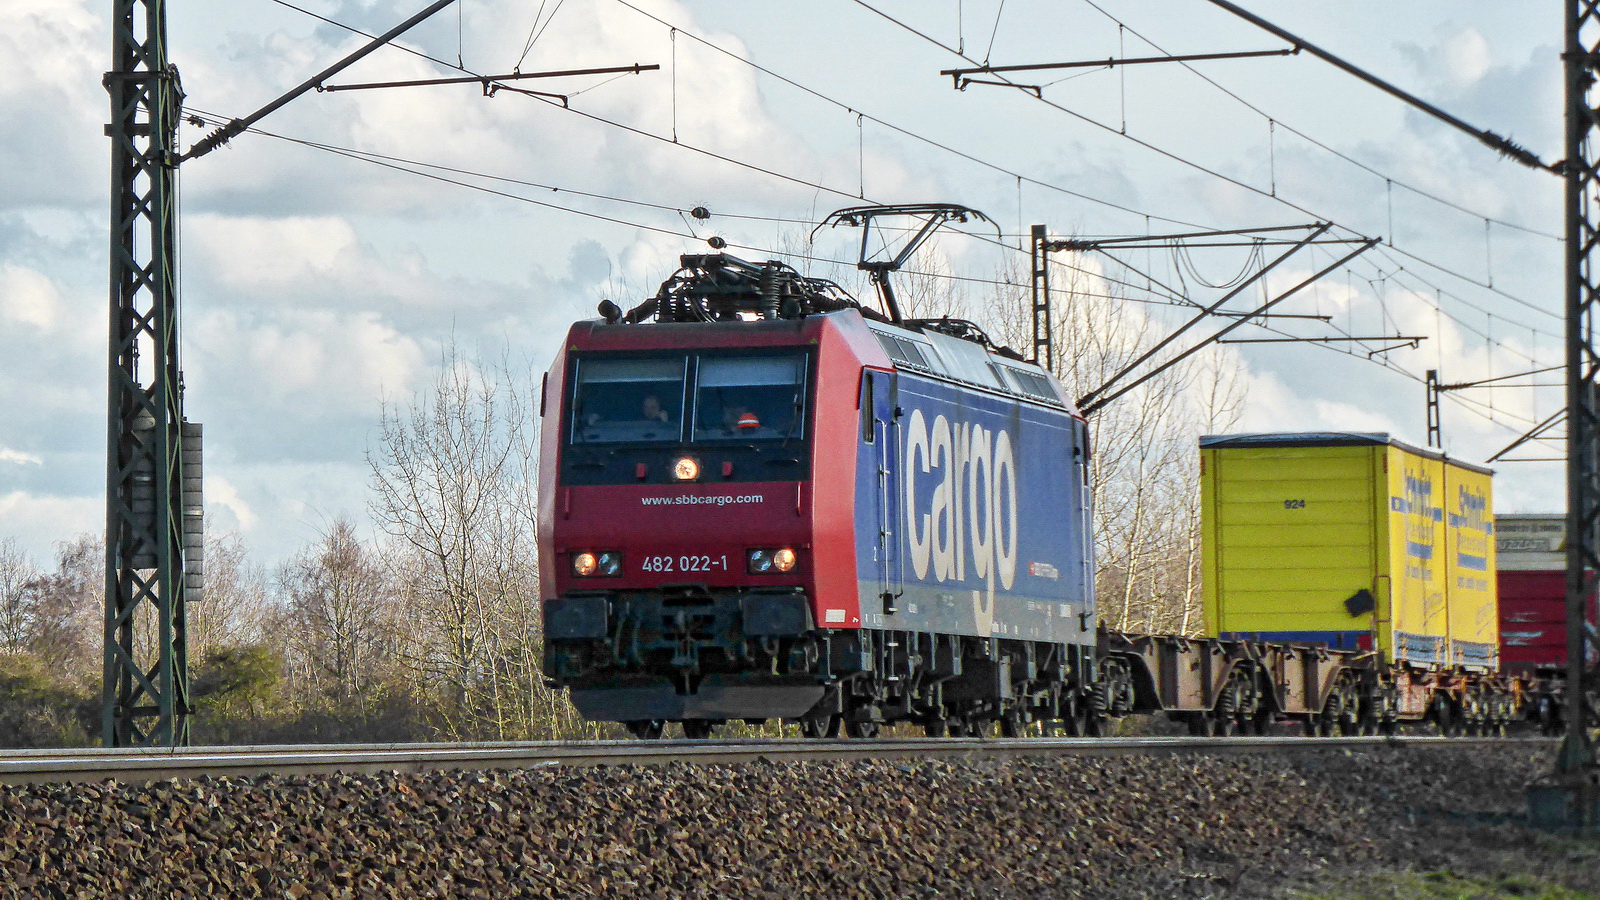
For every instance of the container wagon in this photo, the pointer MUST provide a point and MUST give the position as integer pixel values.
(1364, 545)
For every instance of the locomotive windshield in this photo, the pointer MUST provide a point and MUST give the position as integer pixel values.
(700, 398)
(749, 398)
(629, 401)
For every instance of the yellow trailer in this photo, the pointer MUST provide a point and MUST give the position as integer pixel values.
(1350, 539)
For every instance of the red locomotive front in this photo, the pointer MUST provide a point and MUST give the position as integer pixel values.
(696, 513)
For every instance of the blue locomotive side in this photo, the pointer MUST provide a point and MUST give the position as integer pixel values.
(972, 513)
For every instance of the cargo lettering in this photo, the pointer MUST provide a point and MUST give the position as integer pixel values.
(971, 516)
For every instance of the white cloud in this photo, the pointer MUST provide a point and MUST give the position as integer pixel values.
(1275, 406)
(28, 297)
(220, 492)
(38, 520)
(1466, 55)
(318, 363)
(51, 102)
(8, 455)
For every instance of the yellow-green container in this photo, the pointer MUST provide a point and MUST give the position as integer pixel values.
(1354, 540)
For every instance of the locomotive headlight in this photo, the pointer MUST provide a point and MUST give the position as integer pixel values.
(597, 565)
(686, 468)
(770, 562)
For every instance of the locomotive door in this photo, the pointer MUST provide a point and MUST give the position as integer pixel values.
(882, 395)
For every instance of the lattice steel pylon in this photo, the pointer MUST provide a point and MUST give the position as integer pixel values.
(1570, 797)
(146, 696)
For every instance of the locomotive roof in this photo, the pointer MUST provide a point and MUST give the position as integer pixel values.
(935, 353)
(1330, 439)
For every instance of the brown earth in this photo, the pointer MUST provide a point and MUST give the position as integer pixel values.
(1175, 826)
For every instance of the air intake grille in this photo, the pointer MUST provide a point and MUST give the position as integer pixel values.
(1030, 383)
(903, 351)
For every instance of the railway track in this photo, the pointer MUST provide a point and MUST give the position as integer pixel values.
(143, 765)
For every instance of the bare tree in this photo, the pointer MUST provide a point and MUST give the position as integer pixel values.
(454, 476)
(66, 623)
(236, 602)
(338, 596)
(18, 575)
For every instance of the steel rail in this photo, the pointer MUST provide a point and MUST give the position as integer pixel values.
(137, 765)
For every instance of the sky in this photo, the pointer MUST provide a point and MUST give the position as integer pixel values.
(327, 264)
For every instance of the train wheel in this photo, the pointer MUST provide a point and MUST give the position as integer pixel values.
(646, 729)
(1081, 716)
(1094, 725)
(1447, 716)
(823, 725)
(1332, 712)
(861, 729)
(1071, 713)
(1259, 724)
(698, 729)
(935, 726)
(1011, 724)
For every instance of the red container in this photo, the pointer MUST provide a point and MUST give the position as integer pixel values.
(1533, 591)
(1533, 620)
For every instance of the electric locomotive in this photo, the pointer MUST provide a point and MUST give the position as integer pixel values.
(760, 499)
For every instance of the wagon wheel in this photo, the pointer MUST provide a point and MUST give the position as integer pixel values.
(820, 725)
(1081, 715)
(1332, 712)
(861, 729)
(1370, 716)
(864, 729)
(1225, 721)
(1070, 713)
(646, 729)
(1259, 724)
(1445, 716)
(698, 729)
(1011, 724)
(1350, 716)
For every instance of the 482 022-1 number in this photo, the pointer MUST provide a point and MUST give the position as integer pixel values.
(684, 564)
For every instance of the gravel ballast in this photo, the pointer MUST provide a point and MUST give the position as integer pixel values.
(1135, 826)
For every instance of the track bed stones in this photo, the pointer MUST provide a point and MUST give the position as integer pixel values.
(1134, 826)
